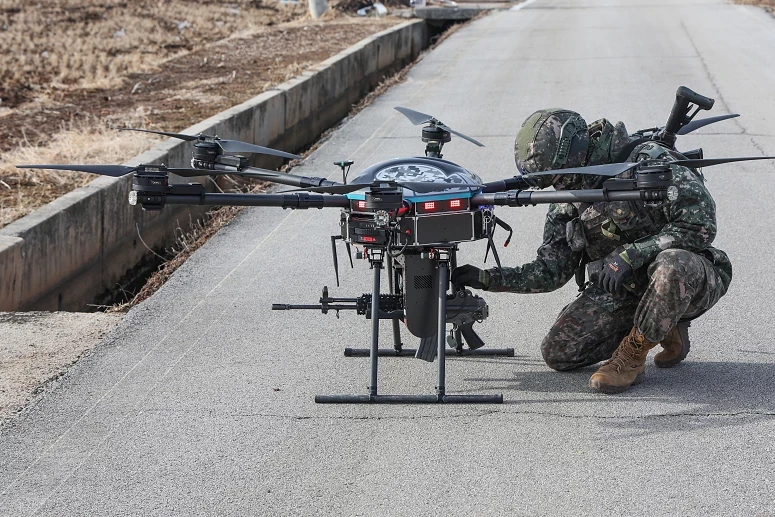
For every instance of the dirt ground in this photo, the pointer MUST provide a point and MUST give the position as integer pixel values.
(37, 347)
(768, 5)
(138, 64)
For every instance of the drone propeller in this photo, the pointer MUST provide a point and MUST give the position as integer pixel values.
(121, 170)
(417, 118)
(229, 146)
(256, 173)
(608, 170)
(105, 170)
(614, 169)
(697, 124)
(707, 162)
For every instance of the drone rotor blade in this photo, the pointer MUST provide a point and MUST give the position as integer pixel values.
(707, 162)
(163, 133)
(614, 169)
(260, 174)
(607, 170)
(416, 186)
(697, 124)
(415, 117)
(235, 146)
(193, 173)
(461, 135)
(105, 170)
(229, 146)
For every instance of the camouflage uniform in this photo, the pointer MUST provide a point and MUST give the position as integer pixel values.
(678, 275)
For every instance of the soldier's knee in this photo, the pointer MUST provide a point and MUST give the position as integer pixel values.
(671, 264)
(552, 352)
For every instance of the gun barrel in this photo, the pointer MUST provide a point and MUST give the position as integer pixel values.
(319, 307)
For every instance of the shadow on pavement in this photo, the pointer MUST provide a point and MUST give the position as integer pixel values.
(705, 394)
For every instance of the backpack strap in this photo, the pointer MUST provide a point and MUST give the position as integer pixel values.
(581, 269)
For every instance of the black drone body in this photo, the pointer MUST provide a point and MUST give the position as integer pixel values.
(442, 215)
(409, 215)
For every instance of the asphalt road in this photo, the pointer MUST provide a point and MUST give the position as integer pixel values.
(202, 401)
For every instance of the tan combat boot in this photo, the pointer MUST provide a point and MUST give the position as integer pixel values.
(675, 346)
(625, 367)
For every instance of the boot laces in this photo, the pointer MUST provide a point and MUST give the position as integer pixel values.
(627, 352)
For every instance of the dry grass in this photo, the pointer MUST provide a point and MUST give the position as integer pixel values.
(768, 5)
(60, 45)
(65, 46)
(79, 66)
(22, 189)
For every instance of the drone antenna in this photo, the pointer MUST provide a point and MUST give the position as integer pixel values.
(345, 166)
(349, 254)
(491, 244)
(500, 222)
(336, 259)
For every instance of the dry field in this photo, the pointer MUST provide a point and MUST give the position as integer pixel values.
(768, 5)
(69, 69)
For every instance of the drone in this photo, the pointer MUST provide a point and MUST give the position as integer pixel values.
(410, 215)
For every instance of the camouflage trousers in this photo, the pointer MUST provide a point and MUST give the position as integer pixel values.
(682, 285)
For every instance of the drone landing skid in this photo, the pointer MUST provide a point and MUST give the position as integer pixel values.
(410, 352)
(409, 399)
(376, 257)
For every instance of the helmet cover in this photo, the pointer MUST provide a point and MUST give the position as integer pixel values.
(552, 139)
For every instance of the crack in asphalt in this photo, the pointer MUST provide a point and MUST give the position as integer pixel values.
(719, 96)
(710, 76)
(479, 414)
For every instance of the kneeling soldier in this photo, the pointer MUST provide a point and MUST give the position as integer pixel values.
(651, 269)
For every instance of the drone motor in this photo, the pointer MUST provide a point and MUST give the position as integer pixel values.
(434, 133)
(205, 151)
(654, 175)
(149, 188)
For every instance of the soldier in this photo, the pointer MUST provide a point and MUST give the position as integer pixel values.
(651, 269)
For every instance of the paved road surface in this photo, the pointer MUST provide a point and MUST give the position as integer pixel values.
(202, 401)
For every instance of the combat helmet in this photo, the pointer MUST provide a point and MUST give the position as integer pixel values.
(552, 139)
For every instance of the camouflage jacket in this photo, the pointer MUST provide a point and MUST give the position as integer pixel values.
(687, 223)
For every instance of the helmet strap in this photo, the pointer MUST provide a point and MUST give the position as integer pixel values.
(568, 141)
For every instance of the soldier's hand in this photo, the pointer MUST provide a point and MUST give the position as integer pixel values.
(616, 269)
(472, 276)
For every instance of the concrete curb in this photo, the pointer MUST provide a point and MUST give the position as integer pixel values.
(64, 254)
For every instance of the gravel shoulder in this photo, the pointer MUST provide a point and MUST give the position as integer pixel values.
(37, 347)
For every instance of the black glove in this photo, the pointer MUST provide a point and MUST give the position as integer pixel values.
(469, 275)
(616, 269)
